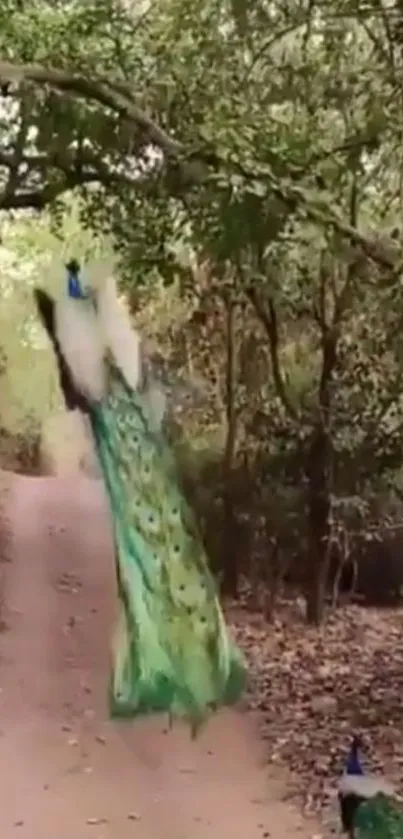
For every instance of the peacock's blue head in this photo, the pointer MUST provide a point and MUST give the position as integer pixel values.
(353, 766)
(75, 287)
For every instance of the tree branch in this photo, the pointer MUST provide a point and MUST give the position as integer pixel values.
(268, 319)
(114, 95)
(39, 199)
(74, 171)
(296, 199)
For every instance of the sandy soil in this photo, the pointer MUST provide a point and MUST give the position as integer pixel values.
(65, 769)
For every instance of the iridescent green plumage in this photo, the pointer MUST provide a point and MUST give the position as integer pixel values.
(172, 651)
(378, 818)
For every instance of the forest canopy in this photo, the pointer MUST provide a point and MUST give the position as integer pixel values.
(244, 161)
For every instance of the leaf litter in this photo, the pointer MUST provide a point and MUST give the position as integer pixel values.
(314, 689)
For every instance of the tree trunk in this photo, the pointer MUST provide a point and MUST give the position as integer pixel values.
(230, 550)
(273, 581)
(318, 469)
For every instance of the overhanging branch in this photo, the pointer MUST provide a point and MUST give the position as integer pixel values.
(114, 95)
(40, 198)
(120, 98)
(32, 191)
(298, 200)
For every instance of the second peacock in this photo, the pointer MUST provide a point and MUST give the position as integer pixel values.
(369, 807)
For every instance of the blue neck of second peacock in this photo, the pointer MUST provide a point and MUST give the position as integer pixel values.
(353, 763)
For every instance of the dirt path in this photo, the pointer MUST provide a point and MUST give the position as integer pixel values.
(65, 769)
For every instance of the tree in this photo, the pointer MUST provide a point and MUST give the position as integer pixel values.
(84, 123)
(276, 158)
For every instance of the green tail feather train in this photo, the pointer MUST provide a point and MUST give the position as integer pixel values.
(172, 651)
(378, 818)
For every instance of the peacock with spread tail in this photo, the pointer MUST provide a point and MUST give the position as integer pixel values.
(368, 804)
(172, 652)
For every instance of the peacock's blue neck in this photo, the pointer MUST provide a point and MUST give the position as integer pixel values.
(74, 287)
(353, 763)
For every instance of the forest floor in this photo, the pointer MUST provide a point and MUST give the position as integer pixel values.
(314, 689)
(66, 770)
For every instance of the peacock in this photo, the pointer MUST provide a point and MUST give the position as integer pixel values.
(172, 651)
(368, 804)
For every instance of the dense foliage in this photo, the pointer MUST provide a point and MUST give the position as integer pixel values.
(249, 155)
